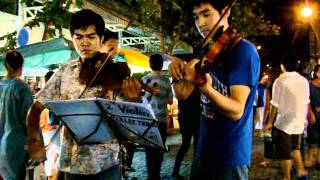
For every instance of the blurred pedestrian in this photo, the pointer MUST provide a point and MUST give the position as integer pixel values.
(110, 45)
(158, 103)
(189, 123)
(313, 137)
(290, 100)
(15, 101)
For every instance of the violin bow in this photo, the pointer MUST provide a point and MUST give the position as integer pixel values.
(213, 31)
(96, 75)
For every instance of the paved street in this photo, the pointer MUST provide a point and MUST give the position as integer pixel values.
(174, 141)
(256, 172)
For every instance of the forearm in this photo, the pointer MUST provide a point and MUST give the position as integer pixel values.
(311, 116)
(273, 114)
(183, 89)
(33, 118)
(231, 108)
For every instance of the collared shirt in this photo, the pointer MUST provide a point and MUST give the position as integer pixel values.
(74, 158)
(290, 94)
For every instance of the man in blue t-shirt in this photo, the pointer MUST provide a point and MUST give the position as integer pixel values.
(225, 142)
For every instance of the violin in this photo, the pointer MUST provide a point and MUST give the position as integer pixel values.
(102, 70)
(216, 42)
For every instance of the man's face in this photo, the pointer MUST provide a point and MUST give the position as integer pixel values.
(110, 44)
(87, 42)
(205, 17)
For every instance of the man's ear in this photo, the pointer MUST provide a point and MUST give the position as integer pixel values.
(227, 13)
(283, 69)
(102, 39)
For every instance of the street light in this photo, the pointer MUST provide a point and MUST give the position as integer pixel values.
(306, 12)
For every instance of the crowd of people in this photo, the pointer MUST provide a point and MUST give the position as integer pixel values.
(221, 101)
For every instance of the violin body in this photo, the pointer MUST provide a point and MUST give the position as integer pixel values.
(102, 70)
(224, 43)
(110, 76)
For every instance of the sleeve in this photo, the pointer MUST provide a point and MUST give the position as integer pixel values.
(276, 93)
(26, 101)
(308, 93)
(51, 91)
(245, 65)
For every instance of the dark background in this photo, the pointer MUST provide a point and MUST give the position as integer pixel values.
(293, 38)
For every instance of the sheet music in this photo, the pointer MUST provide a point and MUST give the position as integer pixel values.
(134, 121)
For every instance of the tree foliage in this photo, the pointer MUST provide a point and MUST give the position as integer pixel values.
(54, 12)
(249, 19)
(174, 18)
(11, 41)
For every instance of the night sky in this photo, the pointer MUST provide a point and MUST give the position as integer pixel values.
(293, 36)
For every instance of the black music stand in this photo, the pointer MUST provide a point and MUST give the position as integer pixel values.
(97, 120)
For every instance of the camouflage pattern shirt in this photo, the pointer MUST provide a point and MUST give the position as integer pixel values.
(73, 158)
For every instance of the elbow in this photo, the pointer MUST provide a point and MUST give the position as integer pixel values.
(181, 96)
(237, 115)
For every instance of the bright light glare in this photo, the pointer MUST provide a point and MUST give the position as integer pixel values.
(259, 47)
(306, 11)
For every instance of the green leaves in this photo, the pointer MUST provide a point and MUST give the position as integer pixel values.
(55, 12)
(10, 43)
(248, 18)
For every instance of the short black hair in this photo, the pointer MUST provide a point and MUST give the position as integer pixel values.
(13, 61)
(315, 70)
(156, 62)
(85, 18)
(109, 35)
(48, 75)
(217, 4)
(290, 62)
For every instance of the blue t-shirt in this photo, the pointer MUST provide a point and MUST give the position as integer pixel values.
(315, 100)
(15, 101)
(261, 98)
(224, 142)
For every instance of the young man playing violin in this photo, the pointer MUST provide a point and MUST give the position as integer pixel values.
(95, 161)
(225, 142)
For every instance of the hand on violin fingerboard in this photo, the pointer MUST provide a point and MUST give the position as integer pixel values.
(131, 88)
(176, 69)
(207, 86)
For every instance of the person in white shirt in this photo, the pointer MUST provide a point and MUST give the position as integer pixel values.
(290, 100)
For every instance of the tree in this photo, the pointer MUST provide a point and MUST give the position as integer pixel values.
(173, 20)
(11, 41)
(54, 15)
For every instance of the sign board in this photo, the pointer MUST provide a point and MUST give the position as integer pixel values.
(23, 37)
